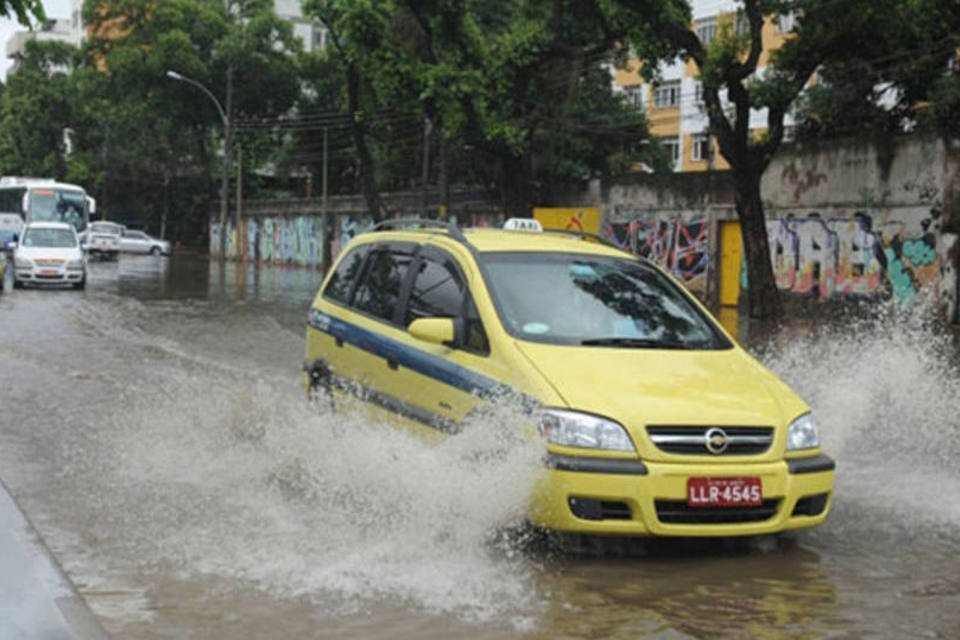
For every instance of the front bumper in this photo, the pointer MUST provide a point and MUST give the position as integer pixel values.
(48, 275)
(634, 498)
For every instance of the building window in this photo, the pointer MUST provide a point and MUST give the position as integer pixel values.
(698, 92)
(634, 95)
(667, 95)
(706, 30)
(671, 145)
(701, 147)
(786, 22)
(319, 38)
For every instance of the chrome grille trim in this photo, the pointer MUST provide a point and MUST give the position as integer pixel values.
(692, 440)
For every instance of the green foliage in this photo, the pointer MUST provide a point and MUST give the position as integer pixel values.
(24, 10)
(145, 145)
(882, 59)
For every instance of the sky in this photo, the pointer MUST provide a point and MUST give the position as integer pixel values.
(8, 26)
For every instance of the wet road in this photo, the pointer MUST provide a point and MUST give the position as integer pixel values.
(153, 429)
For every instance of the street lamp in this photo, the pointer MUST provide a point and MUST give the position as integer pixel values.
(225, 120)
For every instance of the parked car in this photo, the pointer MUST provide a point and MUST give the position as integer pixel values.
(139, 242)
(654, 420)
(49, 253)
(102, 239)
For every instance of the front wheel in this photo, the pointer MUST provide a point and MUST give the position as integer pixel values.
(154, 251)
(81, 285)
(17, 284)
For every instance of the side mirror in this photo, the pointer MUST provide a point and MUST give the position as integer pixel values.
(12, 245)
(433, 330)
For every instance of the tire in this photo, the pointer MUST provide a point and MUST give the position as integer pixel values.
(17, 284)
(154, 251)
(81, 285)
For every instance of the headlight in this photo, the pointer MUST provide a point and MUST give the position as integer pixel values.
(803, 433)
(22, 263)
(572, 429)
(75, 265)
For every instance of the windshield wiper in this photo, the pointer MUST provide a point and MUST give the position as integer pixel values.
(636, 343)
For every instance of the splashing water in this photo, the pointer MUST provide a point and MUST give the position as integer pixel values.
(884, 388)
(246, 480)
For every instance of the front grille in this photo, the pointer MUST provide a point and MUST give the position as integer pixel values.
(740, 441)
(679, 512)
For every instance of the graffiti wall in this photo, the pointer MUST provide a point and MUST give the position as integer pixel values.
(679, 242)
(861, 253)
(295, 240)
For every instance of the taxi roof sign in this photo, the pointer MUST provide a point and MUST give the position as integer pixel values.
(522, 224)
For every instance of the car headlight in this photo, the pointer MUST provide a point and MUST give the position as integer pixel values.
(75, 265)
(22, 263)
(803, 433)
(573, 429)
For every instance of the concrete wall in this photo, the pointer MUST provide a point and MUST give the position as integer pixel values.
(290, 232)
(844, 219)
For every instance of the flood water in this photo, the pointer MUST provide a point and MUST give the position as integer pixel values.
(154, 430)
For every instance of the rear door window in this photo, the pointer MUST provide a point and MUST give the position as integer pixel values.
(343, 279)
(378, 293)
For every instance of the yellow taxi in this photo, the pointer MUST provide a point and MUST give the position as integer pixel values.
(654, 420)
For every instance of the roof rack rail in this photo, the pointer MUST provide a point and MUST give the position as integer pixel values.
(585, 235)
(422, 223)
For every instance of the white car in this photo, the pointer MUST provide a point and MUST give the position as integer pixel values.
(102, 239)
(139, 242)
(49, 253)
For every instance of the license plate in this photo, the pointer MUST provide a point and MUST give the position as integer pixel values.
(724, 492)
(48, 272)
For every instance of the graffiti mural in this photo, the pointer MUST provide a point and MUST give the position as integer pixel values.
(852, 255)
(679, 243)
(281, 240)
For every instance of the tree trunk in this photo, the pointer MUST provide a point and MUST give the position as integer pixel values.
(763, 296)
(358, 130)
(515, 186)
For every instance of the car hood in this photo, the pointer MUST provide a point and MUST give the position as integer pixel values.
(49, 253)
(641, 387)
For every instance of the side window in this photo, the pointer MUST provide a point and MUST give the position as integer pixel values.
(379, 291)
(437, 292)
(440, 292)
(341, 282)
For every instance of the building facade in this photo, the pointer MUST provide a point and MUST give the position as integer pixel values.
(674, 105)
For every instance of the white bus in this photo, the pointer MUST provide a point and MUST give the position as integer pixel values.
(24, 200)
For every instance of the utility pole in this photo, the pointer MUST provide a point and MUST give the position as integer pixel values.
(426, 163)
(327, 259)
(225, 179)
(239, 205)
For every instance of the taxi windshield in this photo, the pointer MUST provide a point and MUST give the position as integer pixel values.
(49, 238)
(578, 299)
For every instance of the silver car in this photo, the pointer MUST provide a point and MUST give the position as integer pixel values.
(139, 242)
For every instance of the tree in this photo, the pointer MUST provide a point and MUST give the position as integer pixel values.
(36, 109)
(152, 131)
(825, 35)
(885, 86)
